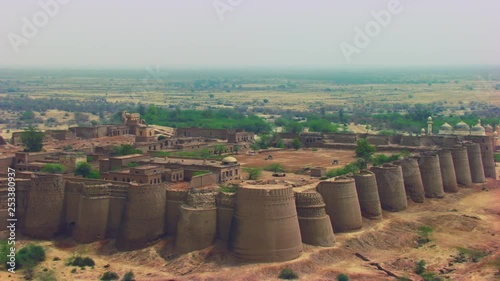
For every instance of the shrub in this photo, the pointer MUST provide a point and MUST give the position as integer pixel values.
(424, 234)
(342, 277)
(30, 255)
(229, 188)
(420, 267)
(497, 157)
(80, 261)
(288, 274)
(129, 276)
(275, 167)
(349, 168)
(109, 275)
(253, 173)
(53, 168)
(73, 270)
(161, 137)
(47, 276)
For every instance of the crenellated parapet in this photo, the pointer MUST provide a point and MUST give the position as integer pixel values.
(203, 200)
(225, 200)
(309, 204)
(98, 190)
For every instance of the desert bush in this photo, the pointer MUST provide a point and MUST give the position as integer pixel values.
(109, 275)
(253, 173)
(342, 277)
(231, 188)
(288, 274)
(129, 276)
(275, 167)
(53, 168)
(80, 261)
(30, 255)
(424, 234)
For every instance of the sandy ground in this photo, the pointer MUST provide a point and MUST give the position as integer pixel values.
(468, 219)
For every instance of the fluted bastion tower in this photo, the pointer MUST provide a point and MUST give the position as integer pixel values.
(93, 208)
(431, 175)
(315, 225)
(447, 171)
(391, 189)
(366, 187)
(265, 226)
(225, 203)
(175, 199)
(45, 206)
(475, 162)
(412, 179)
(461, 163)
(487, 145)
(197, 224)
(342, 205)
(144, 217)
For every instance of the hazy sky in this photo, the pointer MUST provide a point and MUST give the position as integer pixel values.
(252, 33)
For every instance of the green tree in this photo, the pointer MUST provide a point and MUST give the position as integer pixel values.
(364, 149)
(265, 100)
(237, 148)
(32, 139)
(296, 144)
(293, 127)
(27, 115)
(254, 146)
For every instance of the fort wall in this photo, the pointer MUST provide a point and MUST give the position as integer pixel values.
(431, 176)
(265, 227)
(461, 164)
(315, 225)
(342, 205)
(369, 202)
(475, 162)
(144, 217)
(197, 225)
(225, 203)
(391, 189)
(412, 179)
(175, 199)
(487, 145)
(45, 206)
(93, 210)
(447, 171)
